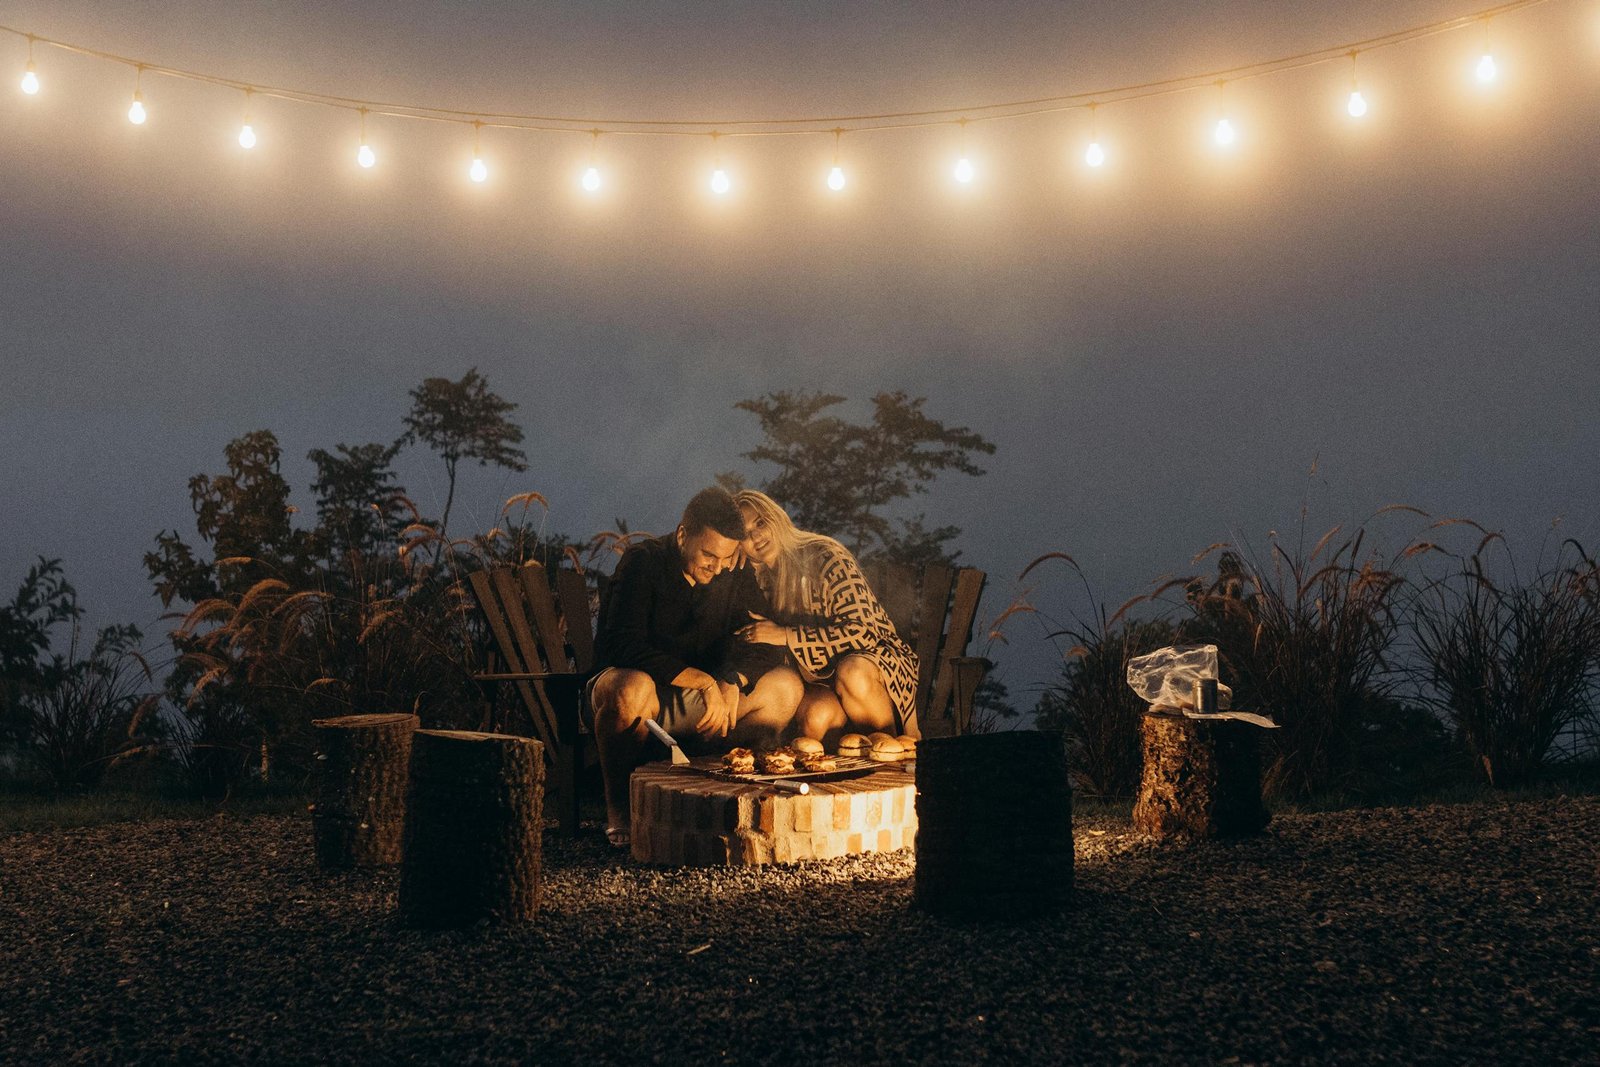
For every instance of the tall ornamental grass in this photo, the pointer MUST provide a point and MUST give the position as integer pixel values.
(1512, 665)
(1306, 637)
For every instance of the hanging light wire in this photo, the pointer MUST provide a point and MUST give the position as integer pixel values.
(836, 175)
(719, 177)
(591, 175)
(137, 113)
(479, 170)
(247, 133)
(30, 75)
(1094, 155)
(1486, 70)
(753, 127)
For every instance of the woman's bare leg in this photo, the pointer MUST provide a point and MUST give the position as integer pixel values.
(766, 712)
(821, 716)
(863, 694)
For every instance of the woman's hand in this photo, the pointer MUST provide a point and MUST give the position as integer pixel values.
(764, 631)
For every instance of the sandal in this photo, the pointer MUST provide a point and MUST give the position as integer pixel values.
(618, 837)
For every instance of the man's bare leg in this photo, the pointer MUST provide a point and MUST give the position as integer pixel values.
(767, 710)
(623, 699)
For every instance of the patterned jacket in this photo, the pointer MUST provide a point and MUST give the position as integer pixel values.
(843, 617)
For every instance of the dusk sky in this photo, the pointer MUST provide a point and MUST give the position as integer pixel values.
(1161, 349)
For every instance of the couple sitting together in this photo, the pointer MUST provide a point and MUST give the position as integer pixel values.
(738, 629)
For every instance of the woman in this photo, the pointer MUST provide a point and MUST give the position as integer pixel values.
(829, 619)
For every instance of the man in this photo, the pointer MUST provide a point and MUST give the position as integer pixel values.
(666, 649)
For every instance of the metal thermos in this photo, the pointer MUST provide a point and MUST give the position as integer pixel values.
(1205, 696)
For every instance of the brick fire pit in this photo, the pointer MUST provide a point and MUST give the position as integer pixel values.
(683, 818)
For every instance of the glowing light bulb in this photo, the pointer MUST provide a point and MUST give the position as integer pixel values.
(136, 113)
(365, 157)
(964, 171)
(247, 136)
(1094, 155)
(30, 81)
(1357, 105)
(591, 180)
(719, 182)
(479, 171)
(1225, 134)
(1487, 71)
(836, 178)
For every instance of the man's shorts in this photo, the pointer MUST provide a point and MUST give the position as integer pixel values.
(681, 709)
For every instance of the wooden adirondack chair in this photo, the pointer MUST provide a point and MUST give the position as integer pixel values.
(545, 640)
(933, 609)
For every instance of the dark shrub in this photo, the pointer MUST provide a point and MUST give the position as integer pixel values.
(1306, 640)
(1512, 665)
(88, 711)
(1094, 705)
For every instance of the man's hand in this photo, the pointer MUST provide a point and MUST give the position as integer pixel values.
(764, 631)
(722, 709)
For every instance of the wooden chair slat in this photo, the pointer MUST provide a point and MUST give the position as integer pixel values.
(898, 595)
(575, 613)
(932, 602)
(542, 613)
(522, 639)
(489, 602)
(969, 587)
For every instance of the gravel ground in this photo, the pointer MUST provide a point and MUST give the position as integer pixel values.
(1448, 934)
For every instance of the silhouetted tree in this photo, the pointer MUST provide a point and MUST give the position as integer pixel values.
(43, 600)
(838, 477)
(464, 420)
(360, 505)
(245, 519)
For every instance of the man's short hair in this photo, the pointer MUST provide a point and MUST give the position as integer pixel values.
(714, 507)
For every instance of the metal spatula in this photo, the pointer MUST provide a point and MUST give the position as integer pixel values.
(678, 758)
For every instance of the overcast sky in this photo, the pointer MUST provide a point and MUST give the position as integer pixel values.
(1161, 349)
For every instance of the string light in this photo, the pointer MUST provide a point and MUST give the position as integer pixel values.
(1224, 134)
(364, 154)
(247, 133)
(136, 113)
(836, 175)
(591, 176)
(1487, 71)
(1358, 103)
(479, 171)
(719, 177)
(1094, 155)
(964, 172)
(30, 77)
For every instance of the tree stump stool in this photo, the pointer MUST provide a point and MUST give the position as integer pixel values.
(473, 824)
(1201, 779)
(359, 801)
(682, 818)
(994, 825)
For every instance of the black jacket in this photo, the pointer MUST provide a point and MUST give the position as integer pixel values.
(653, 620)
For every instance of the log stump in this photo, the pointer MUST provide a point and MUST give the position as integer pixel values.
(1201, 778)
(359, 801)
(681, 818)
(994, 825)
(473, 825)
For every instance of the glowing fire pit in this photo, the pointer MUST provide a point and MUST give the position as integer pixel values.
(682, 817)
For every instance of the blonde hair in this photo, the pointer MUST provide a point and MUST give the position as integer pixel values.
(785, 581)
